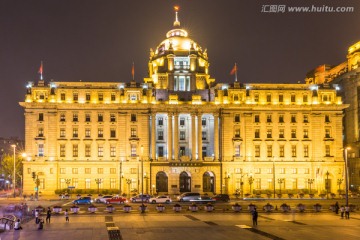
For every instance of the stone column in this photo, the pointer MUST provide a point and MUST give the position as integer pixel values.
(193, 137)
(216, 136)
(169, 132)
(176, 136)
(199, 128)
(153, 136)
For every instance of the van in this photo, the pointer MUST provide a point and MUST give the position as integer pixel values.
(186, 197)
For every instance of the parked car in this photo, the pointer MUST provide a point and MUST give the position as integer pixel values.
(83, 200)
(140, 198)
(202, 199)
(221, 197)
(186, 197)
(160, 199)
(103, 199)
(116, 200)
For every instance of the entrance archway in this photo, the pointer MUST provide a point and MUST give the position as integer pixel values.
(161, 182)
(185, 182)
(208, 182)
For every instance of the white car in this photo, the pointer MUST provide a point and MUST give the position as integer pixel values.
(103, 199)
(160, 199)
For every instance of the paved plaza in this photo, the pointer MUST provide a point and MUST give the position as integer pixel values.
(192, 225)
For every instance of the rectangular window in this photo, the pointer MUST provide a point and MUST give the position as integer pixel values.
(100, 133)
(160, 121)
(281, 98)
(133, 132)
(237, 150)
(113, 133)
(306, 133)
(282, 170)
(204, 135)
(133, 117)
(327, 133)
(268, 98)
(327, 118)
(237, 118)
(62, 97)
(41, 117)
(257, 170)
(75, 117)
(293, 150)
(62, 150)
(62, 170)
(257, 150)
(293, 118)
(133, 150)
(182, 151)
(100, 117)
(75, 171)
(75, 97)
(112, 170)
(203, 122)
(62, 117)
(62, 132)
(40, 132)
(293, 133)
(268, 133)
(237, 133)
(87, 183)
(75, 150)
(306, 118)
(268, 118)
(161, 135)
(75, 132)
(133, 170)
(281, 151)
(112, 117)
(257, 118)
(281, 118)
(306, 150)
(305, 98)
(100, 97)
(292, 98)
(40, 150)
(87, 117)
(87, 150)
(204, 151)
(87, 170)
(257, 133)
(112, 151)
(182, 122)
(269, 151)
(281, 133)
(327, 151)
(113, 97)
(182, 135)
(100, 151)
(75, 182)
(256, 97)
(161, 151)
(87, 97)
(112, 183)
(307, 170)
(87, 133)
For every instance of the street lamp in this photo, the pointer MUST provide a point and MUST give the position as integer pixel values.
(274, 177)
(251, 180)
(98, 182)
(142, 179)
(346, 176)
(310, 181)
(14, 181)
(120, 180)
(339, 182)
(280, 181)
(128, 181)
(327, 184)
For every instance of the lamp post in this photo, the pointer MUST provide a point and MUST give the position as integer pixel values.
(142, 179)
(14, 181)
(346, 176)
(274, 177)
(120, 179)
(280, 181)
(310, 181)
(327, 184)
(128, 182)
(339, 182)
(251, 180)
(98, 182)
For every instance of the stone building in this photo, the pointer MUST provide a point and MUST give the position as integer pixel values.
(180, 131)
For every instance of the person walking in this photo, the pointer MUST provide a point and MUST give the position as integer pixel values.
(342, 210)
(66, 215)
(336, 206)
(17, 225)
(347, 212)
(36, 216)
(48, 215)
(254, 217)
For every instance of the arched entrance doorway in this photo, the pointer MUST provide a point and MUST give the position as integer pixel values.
(208, 182)
(161, 182)
(185, 182)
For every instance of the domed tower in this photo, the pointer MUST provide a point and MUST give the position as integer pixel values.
(179, 66)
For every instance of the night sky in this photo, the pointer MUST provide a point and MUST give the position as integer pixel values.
(97, 40)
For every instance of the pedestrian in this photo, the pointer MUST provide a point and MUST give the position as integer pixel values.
(48, 215)
(36, 216)
(347, 212)
(17, 225)
(336, 206)
(342, 210)
(41, 224)
(66, 215)
(254, 217)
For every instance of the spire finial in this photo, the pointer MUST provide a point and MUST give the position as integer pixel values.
(176, 23)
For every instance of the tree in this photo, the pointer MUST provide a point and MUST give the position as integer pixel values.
(7, 167)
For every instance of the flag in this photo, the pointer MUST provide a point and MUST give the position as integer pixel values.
(233, 70)
(41, 70)
(133, 71)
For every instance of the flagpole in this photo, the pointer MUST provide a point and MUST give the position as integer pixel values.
(133, 71)
(41, 72)
(235, 73)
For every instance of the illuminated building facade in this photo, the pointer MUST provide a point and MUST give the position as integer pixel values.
(347, 76)
(180, 131)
